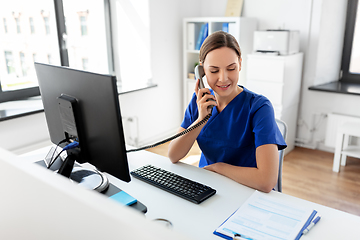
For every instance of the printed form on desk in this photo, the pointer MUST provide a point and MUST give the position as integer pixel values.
(263, 216)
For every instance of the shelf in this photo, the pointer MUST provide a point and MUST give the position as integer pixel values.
(241, 28)
(352, 151)
(193, 51)
(338, 87)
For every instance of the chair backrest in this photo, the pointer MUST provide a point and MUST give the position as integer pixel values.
(283, 129)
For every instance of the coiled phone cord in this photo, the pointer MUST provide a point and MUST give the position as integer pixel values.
(173, 137)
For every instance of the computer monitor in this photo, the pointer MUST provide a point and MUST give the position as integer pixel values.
(96, 110)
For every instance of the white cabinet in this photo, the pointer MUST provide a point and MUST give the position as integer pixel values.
(279, 79)
(241, 28)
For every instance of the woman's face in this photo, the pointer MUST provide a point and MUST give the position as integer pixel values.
(222, 67)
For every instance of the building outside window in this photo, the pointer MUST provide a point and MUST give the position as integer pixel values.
(83, 41)
(86, 37)
(32, 26)
(17, 72)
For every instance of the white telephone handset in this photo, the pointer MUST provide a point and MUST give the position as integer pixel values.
(199, 74)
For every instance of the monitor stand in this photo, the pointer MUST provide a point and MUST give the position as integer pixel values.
(109, 191)
(90, 179)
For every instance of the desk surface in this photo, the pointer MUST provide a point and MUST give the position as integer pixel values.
(199, 221)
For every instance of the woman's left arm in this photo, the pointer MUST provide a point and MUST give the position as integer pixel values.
(263, 177)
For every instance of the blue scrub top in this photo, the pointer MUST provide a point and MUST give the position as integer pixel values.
(233, 135)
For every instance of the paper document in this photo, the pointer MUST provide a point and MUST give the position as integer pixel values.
(263, 216)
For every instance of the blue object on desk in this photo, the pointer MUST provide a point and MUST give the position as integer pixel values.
(316, 220)
(306, 224)
(124, 198)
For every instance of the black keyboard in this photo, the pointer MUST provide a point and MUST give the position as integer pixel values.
(173, 183)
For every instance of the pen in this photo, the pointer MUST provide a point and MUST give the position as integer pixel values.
(315, 221)
(240, 237)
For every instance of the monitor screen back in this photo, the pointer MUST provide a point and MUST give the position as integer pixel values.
(100, 113)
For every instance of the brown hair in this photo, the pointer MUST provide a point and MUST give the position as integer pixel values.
(217, 40)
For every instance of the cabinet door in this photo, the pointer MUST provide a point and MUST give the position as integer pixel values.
(272, 90)
(266, 69)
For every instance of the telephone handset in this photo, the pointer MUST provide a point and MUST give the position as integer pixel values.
(199, 73)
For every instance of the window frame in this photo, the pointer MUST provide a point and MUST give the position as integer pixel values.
(347, 76)
(14, 95)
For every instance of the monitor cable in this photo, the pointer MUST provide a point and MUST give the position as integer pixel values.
(71, 145)
(173, 137)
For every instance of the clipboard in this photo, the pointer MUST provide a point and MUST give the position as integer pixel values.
(264, 216)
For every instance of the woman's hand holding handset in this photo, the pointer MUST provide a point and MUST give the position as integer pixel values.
(205, 100)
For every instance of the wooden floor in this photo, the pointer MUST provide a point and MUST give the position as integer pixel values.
(308, 174)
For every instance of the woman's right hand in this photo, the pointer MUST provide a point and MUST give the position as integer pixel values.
(204, 100)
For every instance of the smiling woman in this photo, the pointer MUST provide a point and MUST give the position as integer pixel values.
(241, 138)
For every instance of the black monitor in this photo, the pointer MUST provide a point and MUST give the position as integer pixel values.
(95, 102)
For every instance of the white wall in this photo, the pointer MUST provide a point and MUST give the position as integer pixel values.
(158, 110)
(321, 24)
(24, 134)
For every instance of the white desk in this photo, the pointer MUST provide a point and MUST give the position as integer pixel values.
(199, 221)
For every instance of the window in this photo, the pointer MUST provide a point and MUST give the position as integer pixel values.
(78, 34)
(85, 63)
(86, 36)
(83, 25)
(9, 61)
(49, 59)
(351, 52)
(47, 25)
(132, 17)
(18, 28)
(5, 25)
(18, 51)
(23, 64)
(32, 27)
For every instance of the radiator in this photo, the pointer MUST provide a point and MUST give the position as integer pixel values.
(334, 121)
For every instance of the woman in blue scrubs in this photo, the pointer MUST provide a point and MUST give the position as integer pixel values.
(241, 138)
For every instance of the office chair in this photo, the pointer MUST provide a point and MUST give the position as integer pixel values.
(283, 129)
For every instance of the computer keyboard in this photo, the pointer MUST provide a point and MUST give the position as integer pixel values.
(173, 183)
